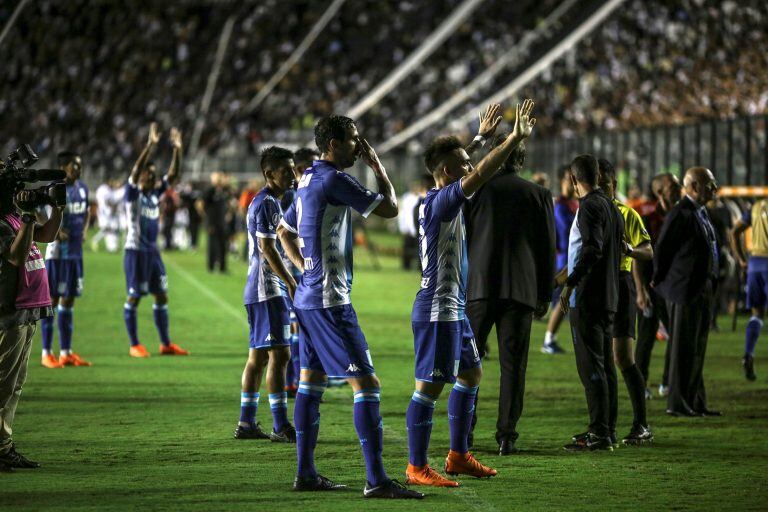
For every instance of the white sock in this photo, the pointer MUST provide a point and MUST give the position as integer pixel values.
(549, 338)
(64, 353)
(46, 352)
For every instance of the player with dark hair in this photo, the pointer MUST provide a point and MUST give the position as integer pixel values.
(756, 268)
(144, 269)
(303, 159)
(637, 246)
(267, 289)
(64, 264)
(591, 295)
(443, 340)
(316, 233)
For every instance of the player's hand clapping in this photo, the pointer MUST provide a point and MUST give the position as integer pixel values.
(154, 134)
(489, 121)
(524, 123)
(175, 137)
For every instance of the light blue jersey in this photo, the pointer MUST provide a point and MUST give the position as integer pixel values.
(73, 222)
(264, 214)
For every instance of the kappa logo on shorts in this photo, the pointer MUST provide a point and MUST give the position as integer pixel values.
(436, 373)
(353, 368)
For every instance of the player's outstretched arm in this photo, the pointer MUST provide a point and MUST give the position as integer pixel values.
(489, 165)
(268, 247)
(388, 206)
(152, 139)
(290, 243)
(174, 170)
(489, 121)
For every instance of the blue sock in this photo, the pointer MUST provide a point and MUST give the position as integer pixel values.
(370, 431)
(249, 404)
(131, 325)
(66, 326)
(295, 361)
(461, 408)
(306, 419)
(753, 332)
(46, 332)
(160, 312)
(278, 402)
(418, 422)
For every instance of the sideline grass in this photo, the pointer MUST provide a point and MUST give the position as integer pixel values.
(156, 434)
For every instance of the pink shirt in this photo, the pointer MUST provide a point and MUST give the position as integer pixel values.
(33, 289)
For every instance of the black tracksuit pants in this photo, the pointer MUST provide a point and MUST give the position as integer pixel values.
(593, 347)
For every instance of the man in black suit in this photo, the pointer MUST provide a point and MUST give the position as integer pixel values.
(591, 294)
(685, 271)
(511, 247)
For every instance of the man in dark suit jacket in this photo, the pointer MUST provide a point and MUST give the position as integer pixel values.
(685, 271)
(591, 294)
(511, 247)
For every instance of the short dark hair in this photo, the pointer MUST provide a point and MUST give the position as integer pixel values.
(607, 171)
(272, 156)
(329, 128)
(585, 169)
(65, 157)
(516, 159)
(438, 149)
(305, 154)
(427, 181)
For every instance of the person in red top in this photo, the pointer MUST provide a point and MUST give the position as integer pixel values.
(24, 299)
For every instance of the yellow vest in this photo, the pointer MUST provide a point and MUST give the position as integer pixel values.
(634, 232)
(760, 228)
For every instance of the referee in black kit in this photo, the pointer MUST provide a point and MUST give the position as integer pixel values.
(591, 295)
(511, 247)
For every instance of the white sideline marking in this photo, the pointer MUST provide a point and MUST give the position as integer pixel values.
(226, 306)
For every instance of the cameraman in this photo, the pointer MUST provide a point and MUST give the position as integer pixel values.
(24, 299)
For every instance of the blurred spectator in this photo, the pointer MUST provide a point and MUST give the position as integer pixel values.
(214, 207)
(406, 225)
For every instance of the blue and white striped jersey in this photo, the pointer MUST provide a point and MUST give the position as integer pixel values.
(264, 214)
(320, 216)
(143, 215)
(73, 222)
(443, 253)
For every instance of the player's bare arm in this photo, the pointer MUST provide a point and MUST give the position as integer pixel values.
(736, 245)
(152, 139)
(489, 121)
(643, 299)
(268, 247)
(643, 252)
(388, 207)
(489, 165)
(290, 243)
(174, 170)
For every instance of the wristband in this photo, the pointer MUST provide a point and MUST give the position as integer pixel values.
(480, 139)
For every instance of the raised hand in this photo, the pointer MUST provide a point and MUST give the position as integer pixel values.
(175, 137)
(523, 121)
(154, 134)
(489, 120)
(369, 156)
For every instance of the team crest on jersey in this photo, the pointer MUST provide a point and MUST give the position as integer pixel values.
(275, 219)
(82, 193)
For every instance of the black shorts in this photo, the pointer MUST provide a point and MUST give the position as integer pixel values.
(626, 313)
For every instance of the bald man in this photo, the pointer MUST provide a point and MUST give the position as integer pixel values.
(685, 270)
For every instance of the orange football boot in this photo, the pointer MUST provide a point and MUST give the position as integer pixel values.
(425, 475)
(172, 350)
(466, 464)
(50, 361)
(139, 351)
(73, 360)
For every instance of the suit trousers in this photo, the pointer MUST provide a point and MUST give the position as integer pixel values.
(593, 346)
(15, 346)
(689, 333)
(217, 250)
(513, 332)
(647, 326)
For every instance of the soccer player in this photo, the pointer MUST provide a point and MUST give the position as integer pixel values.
(757, 275)
(316, 232)
(303, 158)
(144, 269)
(565, 211)
(108, 201)
(64, 265)
(267, 288)
(637, 245)
(444, 343)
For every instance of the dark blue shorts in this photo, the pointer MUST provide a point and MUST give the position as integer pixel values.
(269, 323)
(757, 289)
(65, 277)
(144, 273)
(443, 350)
(331, 341)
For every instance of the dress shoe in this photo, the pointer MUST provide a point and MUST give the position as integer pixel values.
(507, 447)
(686, 413)
(708, 412)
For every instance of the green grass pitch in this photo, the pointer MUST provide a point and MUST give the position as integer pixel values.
(156, 434)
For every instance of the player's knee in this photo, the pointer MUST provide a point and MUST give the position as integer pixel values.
(313, 376)
(280, 356)
(161, 299)
(132, 301)
(365, 382)
(471, 377)
(66, 302)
